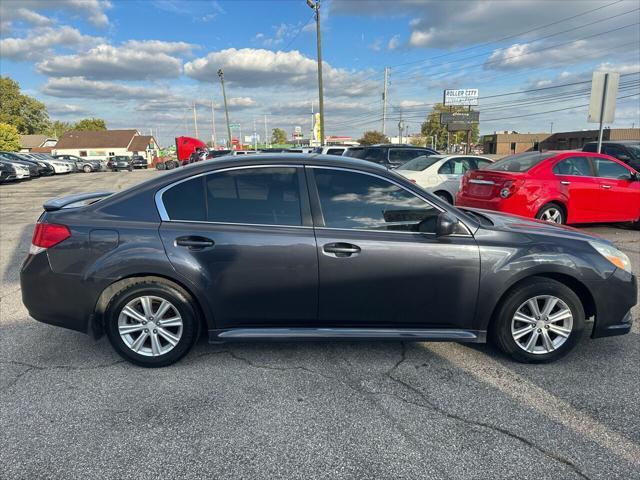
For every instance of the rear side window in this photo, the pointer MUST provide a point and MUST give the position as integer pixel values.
(262, 196)
(456, 166)
(575, 166)
(185, 201)
(352, 200)
(371, 154)
(609, 169)
(403, 155)
(335, 151)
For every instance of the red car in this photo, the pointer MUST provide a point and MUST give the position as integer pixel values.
(559, 187)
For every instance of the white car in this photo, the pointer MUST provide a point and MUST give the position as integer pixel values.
(441, 174)
(330, 150)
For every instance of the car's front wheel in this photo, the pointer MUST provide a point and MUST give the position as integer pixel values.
(539, 321)
(86, 169)
(151, 323)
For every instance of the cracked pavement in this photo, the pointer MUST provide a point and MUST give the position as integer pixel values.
(71, 408)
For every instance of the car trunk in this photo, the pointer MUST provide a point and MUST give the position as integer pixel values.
(487, 184)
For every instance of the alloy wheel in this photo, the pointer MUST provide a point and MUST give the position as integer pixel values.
(552, 214)
(150, 325)
(542, 324)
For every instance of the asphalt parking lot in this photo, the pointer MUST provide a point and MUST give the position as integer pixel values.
(71, 408)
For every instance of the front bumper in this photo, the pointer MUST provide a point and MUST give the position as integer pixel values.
(614, 300)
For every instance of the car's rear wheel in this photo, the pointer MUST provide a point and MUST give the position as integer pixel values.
(86, 169)
(539, 321)
(552, 213)
(151, 323)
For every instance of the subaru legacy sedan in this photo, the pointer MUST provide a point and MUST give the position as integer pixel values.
(308, 247)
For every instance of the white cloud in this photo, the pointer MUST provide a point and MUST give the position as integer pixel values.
(254, 68)
(376, 45)
(92, 10)
(78, 87)
(40, 42)
(394, 42)
(65, 109)
(159, 46)
(106, 62)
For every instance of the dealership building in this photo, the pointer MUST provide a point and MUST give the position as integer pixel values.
(106, 143)
(506, 143)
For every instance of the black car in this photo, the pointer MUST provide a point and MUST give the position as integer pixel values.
(307, 247)
(119, 162)
(31, 166)
(138, 161)
(390, 156)
(627, 151)
(7, 171)
(37, 168)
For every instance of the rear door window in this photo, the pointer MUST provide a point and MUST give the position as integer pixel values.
(259, 196)
(574, 166)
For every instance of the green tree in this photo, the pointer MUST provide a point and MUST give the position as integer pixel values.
(372, 137)
(90, 125)
(25, 113)
(419, 141)
(9, 138)
(279, 136)
(432, 127)
(57, 128)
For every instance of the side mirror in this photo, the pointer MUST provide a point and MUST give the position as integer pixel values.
(446, 224)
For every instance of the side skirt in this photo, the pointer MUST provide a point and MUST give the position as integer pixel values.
(348, 334)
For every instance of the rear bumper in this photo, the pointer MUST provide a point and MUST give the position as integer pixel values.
(63, 300)
(510, 205)
(614, 301)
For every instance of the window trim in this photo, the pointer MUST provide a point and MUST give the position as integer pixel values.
(304, 204)
(318, 216)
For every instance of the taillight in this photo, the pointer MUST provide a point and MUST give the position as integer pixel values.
(46, 235)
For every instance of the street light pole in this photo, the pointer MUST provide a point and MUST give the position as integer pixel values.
(315, 5)
(226, 108)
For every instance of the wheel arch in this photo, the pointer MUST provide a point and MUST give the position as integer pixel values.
(97, 320)
(556, 201)
(446, 194)
(579, 288)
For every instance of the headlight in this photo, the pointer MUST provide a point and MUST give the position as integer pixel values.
(612, 254)
(42, 164)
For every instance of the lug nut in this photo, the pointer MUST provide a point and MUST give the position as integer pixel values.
(155, 331)
(539, 330)
(146, 330)
(547, 327)
(144, 322)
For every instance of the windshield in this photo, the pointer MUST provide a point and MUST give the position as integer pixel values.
(421, 163)
(634, 150)
(520, 162)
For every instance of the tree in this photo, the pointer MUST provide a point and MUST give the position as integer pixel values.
(279, 136)
(9, 138)
(432, 128)
(419, 141)
(90, 125)
(25, 113)
(57, 128)
(372, 137)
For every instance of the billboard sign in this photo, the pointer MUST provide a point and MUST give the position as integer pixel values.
(461, 96)
(464, 117)
(458, 127)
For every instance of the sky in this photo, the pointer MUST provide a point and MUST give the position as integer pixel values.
(144, 63)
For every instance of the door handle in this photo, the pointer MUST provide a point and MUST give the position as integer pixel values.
(341, 249)
(565, 182)
(194, 243)
(606, 186)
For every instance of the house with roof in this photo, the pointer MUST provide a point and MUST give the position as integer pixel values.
(36, 143)
(101, 144)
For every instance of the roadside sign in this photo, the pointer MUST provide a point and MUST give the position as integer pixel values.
(461, 96)
(604, 90)
(464, 117)
(234, 125)
(458, 127)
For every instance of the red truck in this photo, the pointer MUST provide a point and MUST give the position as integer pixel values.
(185, 146)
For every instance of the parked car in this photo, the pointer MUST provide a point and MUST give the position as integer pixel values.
(42, 168)
(7, 171)
(64, 166)
(300, 247)
(390, 156)
(82, 164)
(329, 150)
(217, 153)
(558, 187)
(119, 162)
(24, 169)
(626, 150)
(441, 174)
(138, 161)
(299, 150)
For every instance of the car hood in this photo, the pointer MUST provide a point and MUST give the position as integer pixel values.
(517, 224)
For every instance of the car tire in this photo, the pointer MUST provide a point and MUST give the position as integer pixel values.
(160, 166)
(552, 335)
(444, 196)
(148, 355)
(552, 211)
(87, 169)
(170, 165)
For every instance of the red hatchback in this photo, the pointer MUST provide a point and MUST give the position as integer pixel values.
(559, 187)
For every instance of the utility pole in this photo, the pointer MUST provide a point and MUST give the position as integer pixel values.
(255, 135)
(400, 126)
(226, 108)
(266, 141)
(315, 5)
(195, 119)
(213, 127)
(384, 101)
(551, 128)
